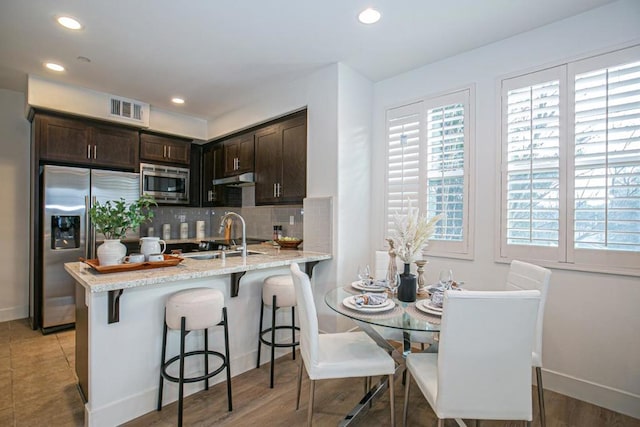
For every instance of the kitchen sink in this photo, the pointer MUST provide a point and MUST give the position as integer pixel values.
(217, 254)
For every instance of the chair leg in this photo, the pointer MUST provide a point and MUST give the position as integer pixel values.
(183, 334)
(405, 408)
(260, 333)
(162, 358)
(293, 331)
(226, 356)
(206, 357)
(543, 421)
(312, 387)
(392, 400)
(299, 385)
(273, 340)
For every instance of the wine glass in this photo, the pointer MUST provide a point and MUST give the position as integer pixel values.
(446, 279)
(364, 274)
(394, 283)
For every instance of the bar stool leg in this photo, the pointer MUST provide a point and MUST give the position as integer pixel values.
(293, 330)
(164, 354)
(273, 338)
(206, 357)
(183, 335)
(226, 355)
(260, 333)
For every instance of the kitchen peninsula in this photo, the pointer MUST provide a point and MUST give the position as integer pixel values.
(119, 320)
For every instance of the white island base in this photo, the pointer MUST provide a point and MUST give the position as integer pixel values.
(120, 361)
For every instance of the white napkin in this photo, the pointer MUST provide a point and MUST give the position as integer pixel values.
(369, 299)
(374, 283)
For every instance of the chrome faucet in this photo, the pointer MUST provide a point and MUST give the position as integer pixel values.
(244, 230)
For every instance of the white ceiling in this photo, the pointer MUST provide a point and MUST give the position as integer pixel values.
(216, 53)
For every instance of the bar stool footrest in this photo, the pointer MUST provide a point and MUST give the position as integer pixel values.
(269, 343)
(166, 376)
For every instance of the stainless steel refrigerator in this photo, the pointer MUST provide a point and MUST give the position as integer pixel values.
(67, 235)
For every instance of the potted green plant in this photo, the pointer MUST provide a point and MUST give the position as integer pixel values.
(113, 219)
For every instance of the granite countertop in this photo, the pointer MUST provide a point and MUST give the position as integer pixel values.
(270, 257)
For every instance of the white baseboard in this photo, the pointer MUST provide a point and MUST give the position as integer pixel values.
(134, 406)
(608, 397)
(14, 313)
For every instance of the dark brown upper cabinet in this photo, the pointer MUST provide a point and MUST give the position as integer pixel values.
(212, 168)
(238, 154)
(69, 140)
(281, 162)
(165, 149)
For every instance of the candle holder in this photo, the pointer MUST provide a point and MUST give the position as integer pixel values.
(422, 286)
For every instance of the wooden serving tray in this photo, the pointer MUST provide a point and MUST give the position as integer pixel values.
(169, 261)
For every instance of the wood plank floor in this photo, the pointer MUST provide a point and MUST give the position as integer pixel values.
(38, 388)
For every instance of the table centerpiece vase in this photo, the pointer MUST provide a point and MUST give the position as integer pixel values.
(407, 289)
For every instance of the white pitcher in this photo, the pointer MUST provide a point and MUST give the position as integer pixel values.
(152, 245)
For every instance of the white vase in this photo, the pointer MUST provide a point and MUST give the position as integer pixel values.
(111, 252)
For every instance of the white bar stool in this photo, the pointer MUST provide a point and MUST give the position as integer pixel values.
(190, 310)
(277, 292)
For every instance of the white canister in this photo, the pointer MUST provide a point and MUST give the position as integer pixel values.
(150, 231)
(200, 229)
(184, 230)
(166, 231)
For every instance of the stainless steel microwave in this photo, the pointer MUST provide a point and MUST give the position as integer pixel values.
(167, 184)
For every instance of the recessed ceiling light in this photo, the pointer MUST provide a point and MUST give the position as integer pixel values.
(69, 22)
(177, 100)
(369, 16)
(53, 66)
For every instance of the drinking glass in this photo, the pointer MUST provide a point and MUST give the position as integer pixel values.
(364, 273)
(394, 283)
(446, 278)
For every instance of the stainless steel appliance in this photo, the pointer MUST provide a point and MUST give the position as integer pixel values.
(168, 184)
(68, 193)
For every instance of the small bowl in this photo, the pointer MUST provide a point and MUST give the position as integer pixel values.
(289, 244)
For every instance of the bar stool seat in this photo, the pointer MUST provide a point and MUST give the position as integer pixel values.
(277, 292)
(191, 310)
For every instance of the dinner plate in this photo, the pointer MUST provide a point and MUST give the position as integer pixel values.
(362, 287)
(426, 307)
(387, 305)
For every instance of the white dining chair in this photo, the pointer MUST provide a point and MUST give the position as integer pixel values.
(525, 276)
(483, 368)
(336, 355)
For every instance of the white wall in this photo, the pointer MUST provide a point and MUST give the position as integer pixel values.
(319, 93)
(14, 215)
(592, 321)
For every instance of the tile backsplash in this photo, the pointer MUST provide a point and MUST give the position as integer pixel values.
(259, 220)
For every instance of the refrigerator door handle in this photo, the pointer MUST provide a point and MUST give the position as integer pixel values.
(92, 233)
(86, 221)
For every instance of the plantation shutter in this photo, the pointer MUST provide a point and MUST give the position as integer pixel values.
(532, 212)
(403, 159)
(447, 160)
(606, 162)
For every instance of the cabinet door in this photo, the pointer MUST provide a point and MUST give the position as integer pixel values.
(114, 147)
(179, 152)
(61, 139)
(238, 154)
(268, 149)
(246, 150)
(293, 185)
(212, 168)
(164, 149)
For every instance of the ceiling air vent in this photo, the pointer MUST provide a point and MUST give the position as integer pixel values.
(128, 109)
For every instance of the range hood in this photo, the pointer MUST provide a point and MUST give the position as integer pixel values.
(242, 180)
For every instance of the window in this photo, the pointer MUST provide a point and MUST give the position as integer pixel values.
(429, 165)
(571, 164)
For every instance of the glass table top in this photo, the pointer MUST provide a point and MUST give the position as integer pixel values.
(404, 315)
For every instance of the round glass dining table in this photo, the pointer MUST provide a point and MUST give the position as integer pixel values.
(403, 316)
